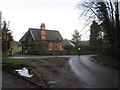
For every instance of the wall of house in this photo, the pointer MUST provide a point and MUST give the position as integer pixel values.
(53, 46)
(60, 46)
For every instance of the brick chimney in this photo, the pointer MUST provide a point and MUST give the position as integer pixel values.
(42, 31)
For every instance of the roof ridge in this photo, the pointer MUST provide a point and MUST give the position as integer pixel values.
(33, 28)
(50, 30)
(45, 29)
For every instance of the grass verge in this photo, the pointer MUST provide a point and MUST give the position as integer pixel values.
(107, 60)
(14, 61)
(9, 63)
(13, 64)
(59, 61)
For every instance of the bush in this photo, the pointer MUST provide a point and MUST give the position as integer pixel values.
(39, 47)
(57, 52)
(68, 49)
(37, 52)
(86, 49)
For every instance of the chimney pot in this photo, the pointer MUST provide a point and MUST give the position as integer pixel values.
(42, 26)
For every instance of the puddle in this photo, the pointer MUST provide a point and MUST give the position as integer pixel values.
(24, 72)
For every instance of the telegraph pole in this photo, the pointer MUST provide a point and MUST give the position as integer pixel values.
(0, 19)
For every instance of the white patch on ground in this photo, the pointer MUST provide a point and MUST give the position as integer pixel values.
(24, 72)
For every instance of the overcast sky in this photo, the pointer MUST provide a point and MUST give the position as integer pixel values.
(61, 15)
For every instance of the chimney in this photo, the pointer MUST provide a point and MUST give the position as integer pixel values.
(42, 31)
(42, 27)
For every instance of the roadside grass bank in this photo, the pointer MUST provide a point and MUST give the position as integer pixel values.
(59, 61)
(107, 60)
(9, 63)
(14, 61)
(35, 67)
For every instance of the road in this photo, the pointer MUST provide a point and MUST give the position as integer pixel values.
(92, 74)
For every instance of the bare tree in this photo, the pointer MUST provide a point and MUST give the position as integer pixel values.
(106, 12)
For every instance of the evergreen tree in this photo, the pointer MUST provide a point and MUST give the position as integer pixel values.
(6, 37)
(76, 37)
(95, 35)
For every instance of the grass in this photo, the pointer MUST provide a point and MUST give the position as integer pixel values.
(60, 61)
(14, 61)
(9, 63)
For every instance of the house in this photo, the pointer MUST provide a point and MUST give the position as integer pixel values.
(67, 43)
(53, 38)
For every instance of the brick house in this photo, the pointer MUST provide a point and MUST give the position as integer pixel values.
(53, 38)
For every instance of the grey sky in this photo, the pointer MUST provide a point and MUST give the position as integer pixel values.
(60, 15)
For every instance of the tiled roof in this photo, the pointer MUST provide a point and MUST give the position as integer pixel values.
(67, 42)
(24, 37)
(50, 35)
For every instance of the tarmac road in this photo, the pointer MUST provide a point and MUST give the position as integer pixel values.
(94, 75)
